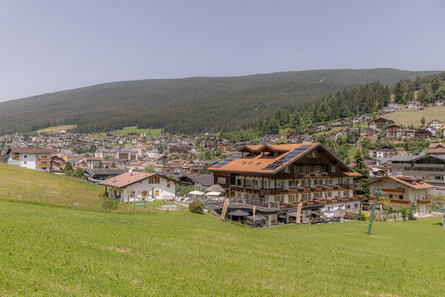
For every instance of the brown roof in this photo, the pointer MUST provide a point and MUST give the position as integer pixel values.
(30, 150)
(127, 178)
(417, 184)
(260, 163)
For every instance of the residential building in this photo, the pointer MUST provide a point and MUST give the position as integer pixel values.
(429, 167)
(132, 186)
(423, 134)
(30, 157)
(435, 124)
(393, 131)
(380, 123)
(402, 191)
(277, 179)
(436, 149)
(414, 104)
(383, 152)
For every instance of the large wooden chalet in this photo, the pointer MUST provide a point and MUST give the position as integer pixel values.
(277, 178)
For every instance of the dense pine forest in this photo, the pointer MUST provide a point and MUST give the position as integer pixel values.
(193, 105)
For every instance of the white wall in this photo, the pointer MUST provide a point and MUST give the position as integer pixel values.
(29, 161)
(165, 192)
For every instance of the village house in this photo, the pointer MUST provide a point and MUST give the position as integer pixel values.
(97, 175)
(30, 157)
(380, 123)
(409, 133)
(429, 167)
(436, 149)
(439, 102)
(393, 131)
(361, 118)
(194, 180)
(414, 105)
(299, 181)
(383, 152)
(435, 124)
(133, 186)
(423, 134)
(368, 132)
(402, 191)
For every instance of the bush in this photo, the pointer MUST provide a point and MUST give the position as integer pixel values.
(196, 206)
(404, 210)
(109, 202)
(361, 217)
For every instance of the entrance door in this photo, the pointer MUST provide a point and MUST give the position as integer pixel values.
(156, 193)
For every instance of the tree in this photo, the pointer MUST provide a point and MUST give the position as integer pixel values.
(150, 168)
(362, 168)
(78, 173)
(68, 166)
(422, 121)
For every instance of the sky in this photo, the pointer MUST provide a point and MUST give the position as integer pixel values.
(49, 46)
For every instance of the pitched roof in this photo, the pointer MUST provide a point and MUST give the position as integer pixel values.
(288, 153)
(29, 150)
(128, 178)
(417, 184)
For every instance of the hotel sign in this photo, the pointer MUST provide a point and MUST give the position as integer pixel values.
(393, 191)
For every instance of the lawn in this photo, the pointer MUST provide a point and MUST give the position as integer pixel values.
(56, 129)
(413, 117)
(21, 183)
(58, 251)
(134, 129)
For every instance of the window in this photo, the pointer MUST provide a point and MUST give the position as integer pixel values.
(348, 206)
(154, 180)
(25, 156)
(356, 205)
(24, 162)
(221, 180)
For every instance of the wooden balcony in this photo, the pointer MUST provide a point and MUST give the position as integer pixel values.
(423, 201)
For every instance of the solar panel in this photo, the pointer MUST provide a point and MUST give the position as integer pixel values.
(287, 158)
(227, 161)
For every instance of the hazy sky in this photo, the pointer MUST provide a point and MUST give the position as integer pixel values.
(55, 45)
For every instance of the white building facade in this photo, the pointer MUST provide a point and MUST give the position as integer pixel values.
(31, 158)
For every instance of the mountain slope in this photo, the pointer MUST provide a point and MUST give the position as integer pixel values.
(185, 105)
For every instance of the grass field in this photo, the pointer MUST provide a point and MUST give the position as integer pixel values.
(150, 132)
(21, 183)
(56, 129)
(413, 117)
(57, 251)
(51, 250)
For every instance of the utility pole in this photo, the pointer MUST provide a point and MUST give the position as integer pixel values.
(371, 219)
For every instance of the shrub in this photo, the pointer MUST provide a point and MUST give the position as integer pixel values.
(196, 206)
(361, 217)
(404, 210)
(109, 202)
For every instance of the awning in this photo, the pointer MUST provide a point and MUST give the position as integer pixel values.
(198, 193)
(238, 213)
(257, 218)
(213, 194)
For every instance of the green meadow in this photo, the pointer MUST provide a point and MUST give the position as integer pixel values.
(52, 250)
(134, 129)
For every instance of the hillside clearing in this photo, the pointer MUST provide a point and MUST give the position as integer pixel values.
(56, 251)
(413, 117)
(134, 129)
(56, 129)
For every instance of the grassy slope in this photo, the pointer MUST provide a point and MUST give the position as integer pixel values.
(55, 251)
(17, 182)
(408, 117)
(56, 129)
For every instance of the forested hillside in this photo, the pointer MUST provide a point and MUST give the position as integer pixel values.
(188, 105)
(365, 99)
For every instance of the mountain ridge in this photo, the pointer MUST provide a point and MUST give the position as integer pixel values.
(189, 105)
